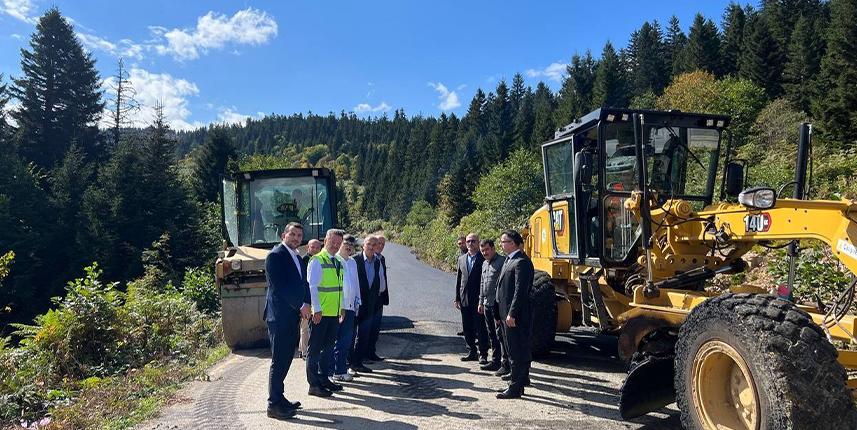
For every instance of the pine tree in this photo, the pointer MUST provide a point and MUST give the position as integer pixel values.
(673, 45)
(5, 128)
(517, 93)
(59, 94)
(123, 101)
(500, 121)
(836, 104)
(610, 87)
(702, 51)
(733, 38)
(543, 118)
(524, 121)
(803, 62)
(645, 57)
(211, 164)
(761, 60)
(582, 72)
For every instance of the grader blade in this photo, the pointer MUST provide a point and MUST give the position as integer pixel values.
(648, 387)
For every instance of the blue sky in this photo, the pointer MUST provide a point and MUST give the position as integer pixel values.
(220, 61)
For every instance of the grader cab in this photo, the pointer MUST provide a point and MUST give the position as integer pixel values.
(629, 241)
(256, 207)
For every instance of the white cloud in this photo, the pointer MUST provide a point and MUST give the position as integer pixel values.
(16, 36)
(448, 99)
(124, 48)
(228, 115)
(19, 9)
(555, 72)
(154, 88)
(214, 31)
(365, 107)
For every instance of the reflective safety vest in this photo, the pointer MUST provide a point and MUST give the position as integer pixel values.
(330, 288)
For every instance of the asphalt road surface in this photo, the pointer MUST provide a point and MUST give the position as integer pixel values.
(422, 384)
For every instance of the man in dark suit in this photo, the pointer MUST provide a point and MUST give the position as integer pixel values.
(467, 286)
(286, 303)
(513, 299)
(383, 300)
(369, 278)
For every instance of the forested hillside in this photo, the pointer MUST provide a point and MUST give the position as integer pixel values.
(143, 203)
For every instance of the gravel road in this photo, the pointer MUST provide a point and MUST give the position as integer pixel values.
(422, 384)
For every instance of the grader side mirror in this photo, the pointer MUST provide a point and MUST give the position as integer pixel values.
(583, 167)
(734, 178)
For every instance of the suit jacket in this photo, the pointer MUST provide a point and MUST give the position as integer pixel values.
(369, 298)
(513, 289)
(287, 289)
(468, 283)
(385, 296)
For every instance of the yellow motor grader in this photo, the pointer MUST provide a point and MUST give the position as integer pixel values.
(628, 242)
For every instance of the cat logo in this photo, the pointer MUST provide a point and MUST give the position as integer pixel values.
(558, 223)
(757, 223)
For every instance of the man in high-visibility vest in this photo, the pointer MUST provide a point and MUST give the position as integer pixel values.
(325, 274)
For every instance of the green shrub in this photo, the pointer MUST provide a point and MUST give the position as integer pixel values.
(198, 287)
(510, 192)
(817, 272)
(482, 223)
(81, 337)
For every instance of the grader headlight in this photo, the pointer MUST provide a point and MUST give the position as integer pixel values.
(758, 198)
(236, 265)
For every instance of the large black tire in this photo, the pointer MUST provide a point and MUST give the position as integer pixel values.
(543, 302)
(798, 382)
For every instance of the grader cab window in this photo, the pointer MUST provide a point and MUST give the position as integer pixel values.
(256, 211)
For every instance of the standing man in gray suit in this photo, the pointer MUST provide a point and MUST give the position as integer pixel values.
(467, 287)
(513, 300)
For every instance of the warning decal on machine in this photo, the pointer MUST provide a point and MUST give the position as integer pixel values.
(757, 223)
(847, 248)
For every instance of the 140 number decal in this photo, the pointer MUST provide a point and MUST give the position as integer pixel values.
(757, 223)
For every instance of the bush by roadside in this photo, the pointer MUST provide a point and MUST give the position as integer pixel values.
(103, 357)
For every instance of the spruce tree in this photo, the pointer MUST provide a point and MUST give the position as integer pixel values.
(583, 74)
(500, 121)
(211, 164)
(836, 104)
(59, 94)
(733, 37)
(543, 118)
(517, 93)
(647, 68)
(761, 60)
(702, 50)
(674, 43)
(524, 121)
(610, 88)
(803, 62)
(5, 128)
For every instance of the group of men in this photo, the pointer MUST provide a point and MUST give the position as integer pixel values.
(323, 298)
(493, 293)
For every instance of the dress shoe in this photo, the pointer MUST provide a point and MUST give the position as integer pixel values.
(361, 369)
(461, 333)
(319, 391)
(509, 378)
(281, 412)
(375, 357)
(483, 360)
(293, 405)
(503, 370)
(470, 357)
(330, 386)
(345, 377)
(510, 394)
(492, 366)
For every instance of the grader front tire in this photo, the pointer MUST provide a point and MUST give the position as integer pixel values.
(543, 300)
(756, 362)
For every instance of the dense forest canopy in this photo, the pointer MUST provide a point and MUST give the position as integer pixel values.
(71, 193)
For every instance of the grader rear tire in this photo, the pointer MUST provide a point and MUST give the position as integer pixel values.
(543, 301)
(756, 362)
